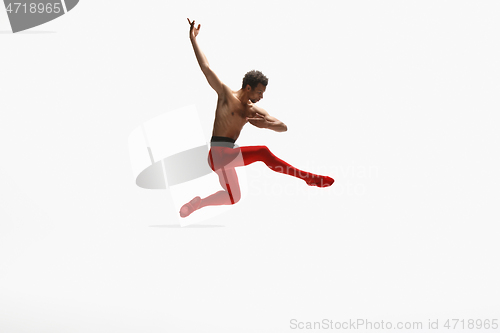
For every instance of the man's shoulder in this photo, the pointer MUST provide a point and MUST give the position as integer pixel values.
(226, 93)
(226, 89)
(254, 107)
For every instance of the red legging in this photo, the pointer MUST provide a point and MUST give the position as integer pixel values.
(223, 160)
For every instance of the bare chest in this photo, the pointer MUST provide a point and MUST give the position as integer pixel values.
(233, 111)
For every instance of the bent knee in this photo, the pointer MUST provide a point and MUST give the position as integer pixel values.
(235, 197)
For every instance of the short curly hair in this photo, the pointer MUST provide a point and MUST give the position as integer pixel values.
(253, 78)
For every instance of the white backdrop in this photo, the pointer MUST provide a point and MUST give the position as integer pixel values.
(396, 100)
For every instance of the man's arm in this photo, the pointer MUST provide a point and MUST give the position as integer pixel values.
(262, 119)
(212, 79)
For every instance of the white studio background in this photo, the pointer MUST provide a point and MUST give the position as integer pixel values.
(396, 100)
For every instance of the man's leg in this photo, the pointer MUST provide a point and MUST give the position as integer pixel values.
(253, 154)
(228, 179)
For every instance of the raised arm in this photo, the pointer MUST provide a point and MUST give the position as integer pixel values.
(262, 119)
(212, 79)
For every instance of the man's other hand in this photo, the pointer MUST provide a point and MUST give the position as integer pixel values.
(193, 31)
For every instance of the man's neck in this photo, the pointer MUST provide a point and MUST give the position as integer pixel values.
(242, 96)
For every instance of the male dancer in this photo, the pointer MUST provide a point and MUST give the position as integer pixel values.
(234, 110)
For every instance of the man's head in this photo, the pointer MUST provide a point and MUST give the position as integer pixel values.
(254, 82)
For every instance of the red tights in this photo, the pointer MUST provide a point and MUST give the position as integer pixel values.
(223, 160)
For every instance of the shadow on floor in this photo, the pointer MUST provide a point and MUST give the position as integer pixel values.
(27, 32)
(188, 226)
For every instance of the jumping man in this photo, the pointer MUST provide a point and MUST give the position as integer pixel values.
(234, 110)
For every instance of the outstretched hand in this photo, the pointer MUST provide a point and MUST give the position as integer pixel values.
(193, 31)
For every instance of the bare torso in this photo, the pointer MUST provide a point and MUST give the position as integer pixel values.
(231, 115)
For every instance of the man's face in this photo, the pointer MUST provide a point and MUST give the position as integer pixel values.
(257, 93)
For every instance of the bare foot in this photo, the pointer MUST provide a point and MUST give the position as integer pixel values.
(190, 207)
